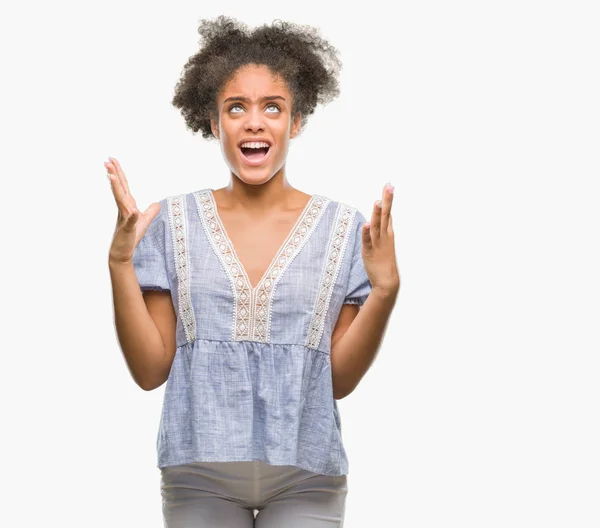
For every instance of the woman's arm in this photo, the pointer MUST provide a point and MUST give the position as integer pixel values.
(356, 339)
(145, 324)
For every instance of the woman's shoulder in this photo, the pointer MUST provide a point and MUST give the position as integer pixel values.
(342, 207)
(172, 205)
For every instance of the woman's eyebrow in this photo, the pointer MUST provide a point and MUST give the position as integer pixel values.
(246, 100)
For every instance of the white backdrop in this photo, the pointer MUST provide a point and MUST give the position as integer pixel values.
(481, 409)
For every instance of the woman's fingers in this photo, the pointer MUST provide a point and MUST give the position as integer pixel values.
(381, 217)
(131, 221)
(115, 184)
(121, 175)
(124, 201)
(366, 237)
(376, 221)
(386, 210)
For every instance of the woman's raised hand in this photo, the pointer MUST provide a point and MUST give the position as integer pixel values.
(131, 224)
(379, 254)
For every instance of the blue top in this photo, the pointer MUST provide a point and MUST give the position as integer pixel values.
(251, 377)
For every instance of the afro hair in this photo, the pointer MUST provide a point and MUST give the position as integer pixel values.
(308, 63)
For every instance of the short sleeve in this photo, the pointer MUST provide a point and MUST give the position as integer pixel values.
(149, 257)
(359, 286)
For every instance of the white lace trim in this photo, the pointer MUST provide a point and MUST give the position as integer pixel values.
(335, 256)
(240, 283)
(178, 224)
(253, 306)
(263, 299)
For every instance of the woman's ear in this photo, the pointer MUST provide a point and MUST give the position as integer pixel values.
(295, 126)
(214, 127)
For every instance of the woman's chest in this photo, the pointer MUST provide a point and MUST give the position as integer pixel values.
(256, 243)
(267, 281)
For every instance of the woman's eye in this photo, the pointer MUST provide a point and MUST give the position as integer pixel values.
(237, 106)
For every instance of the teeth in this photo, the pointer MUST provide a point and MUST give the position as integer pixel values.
(254, 144)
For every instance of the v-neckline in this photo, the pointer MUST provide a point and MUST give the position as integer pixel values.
(279, 251)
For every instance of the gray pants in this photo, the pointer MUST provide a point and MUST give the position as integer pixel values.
(228, 494)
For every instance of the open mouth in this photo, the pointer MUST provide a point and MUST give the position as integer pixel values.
(255, 153)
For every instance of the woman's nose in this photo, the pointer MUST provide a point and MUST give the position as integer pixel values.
(255, 120)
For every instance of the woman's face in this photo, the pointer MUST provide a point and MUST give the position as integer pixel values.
(255, 123)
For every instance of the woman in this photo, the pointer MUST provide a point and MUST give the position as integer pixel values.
(258, 304)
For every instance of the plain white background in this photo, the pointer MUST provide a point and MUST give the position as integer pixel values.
(482, 407)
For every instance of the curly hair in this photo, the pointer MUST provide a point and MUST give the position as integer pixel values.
(307, 62)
